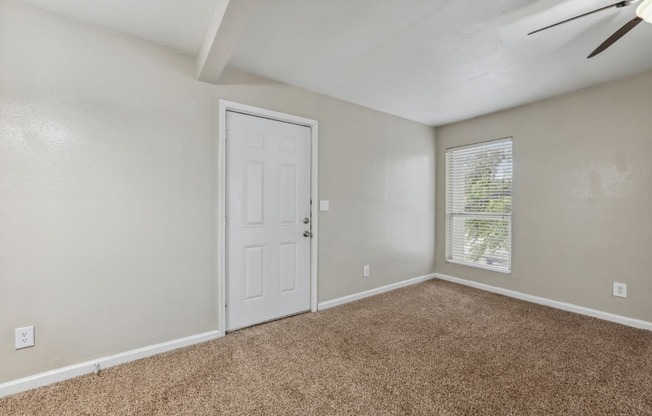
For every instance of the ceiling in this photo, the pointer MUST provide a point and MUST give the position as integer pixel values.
(177, 24)
(431, 61)
(439, 61)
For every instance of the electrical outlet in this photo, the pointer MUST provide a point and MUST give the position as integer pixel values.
(620, 290)
(324, 205)
(365, 271)
(24, 337)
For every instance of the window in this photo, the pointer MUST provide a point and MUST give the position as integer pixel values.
(479, 205)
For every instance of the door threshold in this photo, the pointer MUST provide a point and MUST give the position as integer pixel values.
(269, 321)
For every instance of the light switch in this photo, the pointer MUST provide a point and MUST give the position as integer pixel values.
(324, 205)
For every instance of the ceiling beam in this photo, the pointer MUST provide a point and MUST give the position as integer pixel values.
(228, 23)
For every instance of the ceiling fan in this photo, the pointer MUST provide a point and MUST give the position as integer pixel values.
(643, 12)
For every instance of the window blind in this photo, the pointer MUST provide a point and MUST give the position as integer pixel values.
(479, 205)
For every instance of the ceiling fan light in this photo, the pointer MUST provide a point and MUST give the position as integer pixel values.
(644, 11)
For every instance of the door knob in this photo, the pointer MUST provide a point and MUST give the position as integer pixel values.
(307, 234)
(306, 220)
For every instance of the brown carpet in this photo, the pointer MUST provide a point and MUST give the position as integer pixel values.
(432, 349)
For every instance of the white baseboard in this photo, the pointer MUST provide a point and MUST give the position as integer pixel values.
(636, 323)
(76, 370)
(357, 296)
(65, 373)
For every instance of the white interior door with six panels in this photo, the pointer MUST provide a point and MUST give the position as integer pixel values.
(268, 212)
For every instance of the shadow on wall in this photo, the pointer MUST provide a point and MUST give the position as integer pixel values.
(234, 76)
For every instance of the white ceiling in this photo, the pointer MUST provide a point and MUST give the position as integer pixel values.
(431, 61)
(439, 61)
(177, 24)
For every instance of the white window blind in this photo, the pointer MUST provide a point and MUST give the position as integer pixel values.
(479, 205)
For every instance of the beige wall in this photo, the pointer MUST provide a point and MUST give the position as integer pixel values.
(582, 199)
(108, 191)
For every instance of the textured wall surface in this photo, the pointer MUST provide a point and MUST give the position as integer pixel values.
(108, 150)
(582, 196)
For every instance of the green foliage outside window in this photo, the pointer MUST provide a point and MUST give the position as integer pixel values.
(488, 189)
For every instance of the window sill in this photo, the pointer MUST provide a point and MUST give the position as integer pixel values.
(480, 266)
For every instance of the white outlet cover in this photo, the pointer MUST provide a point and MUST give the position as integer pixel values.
(365, 271)
(324, 205)
(620, 290)
(24, 337)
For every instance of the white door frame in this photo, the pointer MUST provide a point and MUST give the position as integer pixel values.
(225, 106)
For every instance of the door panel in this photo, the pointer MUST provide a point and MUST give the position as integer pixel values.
(288, 267)
(253, 203)
(288, 197)
(254, 272)
(268, 196)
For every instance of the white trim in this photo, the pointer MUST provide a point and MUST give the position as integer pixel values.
(479, 266)
(482, 143)
(314, 216)
(225, 106)
(636, 323)
(357, 296)
(76, 370)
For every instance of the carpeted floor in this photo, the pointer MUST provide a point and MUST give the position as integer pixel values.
(431, 349)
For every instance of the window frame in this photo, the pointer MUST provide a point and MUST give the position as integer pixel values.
(490, 216)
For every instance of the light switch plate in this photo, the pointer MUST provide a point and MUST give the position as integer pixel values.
(324, 205)
(24, 337)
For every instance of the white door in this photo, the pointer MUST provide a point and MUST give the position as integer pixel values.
(268, 212)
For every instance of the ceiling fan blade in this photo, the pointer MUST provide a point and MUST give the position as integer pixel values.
(620, 4)
(614, 38)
